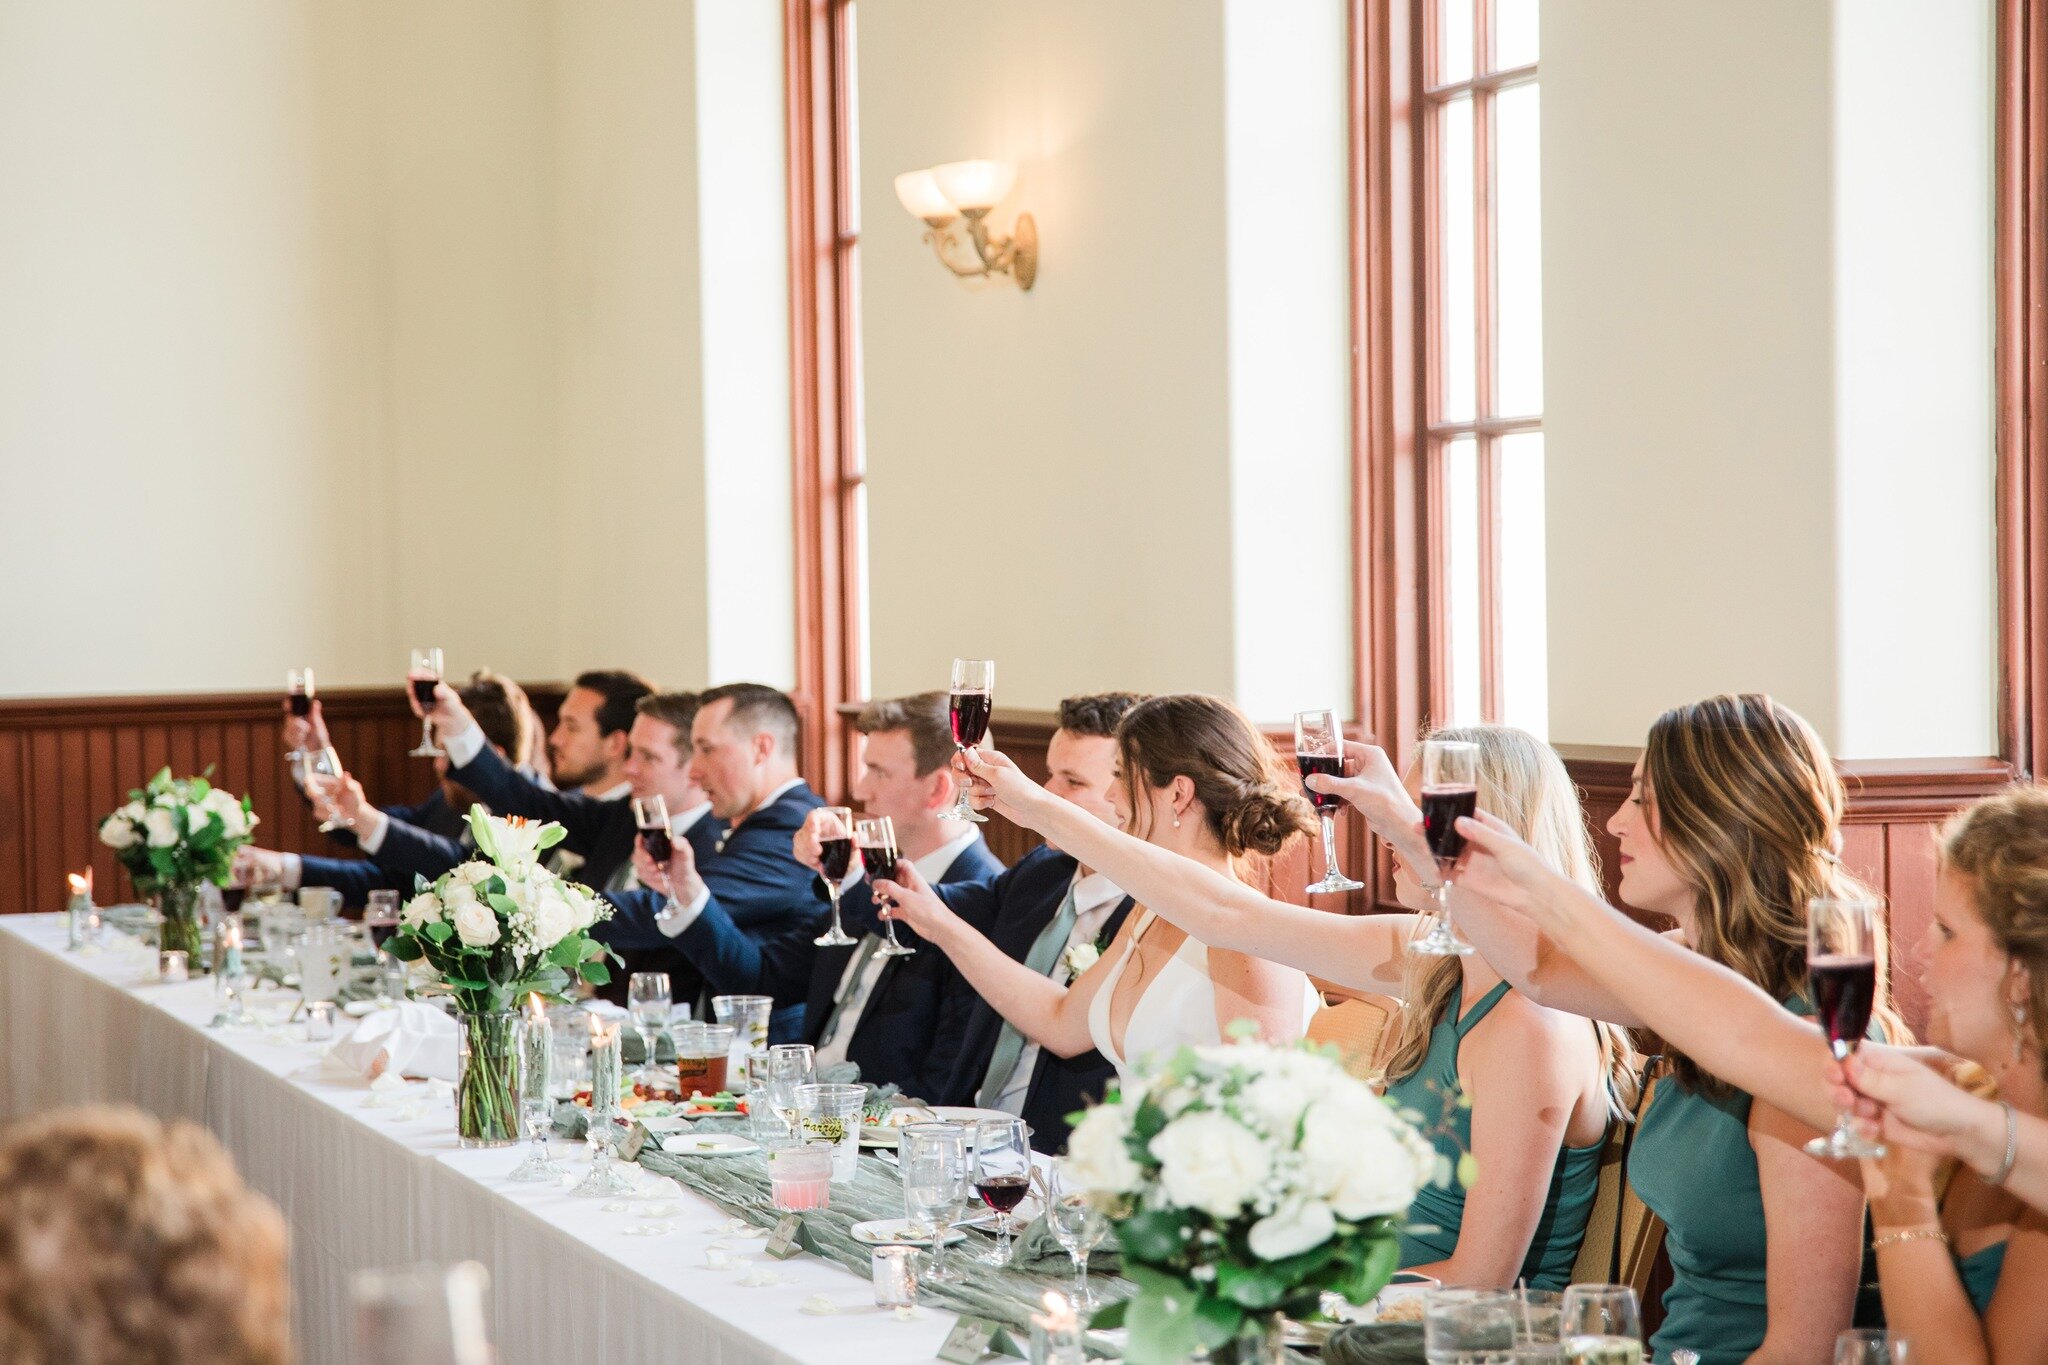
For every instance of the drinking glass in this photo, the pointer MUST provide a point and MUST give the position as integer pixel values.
(703, 1058)
(1468, 1327)
(1078, 1225)
(422, 675)
(1319, 748)
(380, 917)
(1870, 1346)
(936, 1183)
(789, 1066)
(1450, 789)
(298, 691)
(835, 858)
(323, 955)
(831, 1113)
(650, 817)
(537, 1097)
(422, 1315)
(973, 701)
(1537, 1314)
(876, 840)
(1841, 969)
(322, 762)
(647, 997)
(1002, 1176)
(1601, 1324)
(746, 1013)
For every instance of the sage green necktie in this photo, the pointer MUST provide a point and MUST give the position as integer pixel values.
(869, 944)
(1045, 951)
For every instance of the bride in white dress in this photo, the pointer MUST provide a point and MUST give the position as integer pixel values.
(1195, 778)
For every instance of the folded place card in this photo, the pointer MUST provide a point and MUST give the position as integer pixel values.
(973, 1338)
(783, 1242)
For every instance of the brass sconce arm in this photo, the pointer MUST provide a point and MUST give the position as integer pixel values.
(966, 247)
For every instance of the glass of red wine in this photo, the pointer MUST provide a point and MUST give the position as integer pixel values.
(1319, 748)
(973, 702)
(423, 676)
(298, 695)
(876, 839)
(650, 817)
(835, 859)
(1450, 791)
(1002, 1175)
(1841, 971)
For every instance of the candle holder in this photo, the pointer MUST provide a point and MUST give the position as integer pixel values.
(895, 1272)
(173, 965)
(1056, 1333)
(536, 1095)
(607, 1067)
(82, 916)
(230, 972)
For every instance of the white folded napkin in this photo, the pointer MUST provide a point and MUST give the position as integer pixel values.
(411, 1040)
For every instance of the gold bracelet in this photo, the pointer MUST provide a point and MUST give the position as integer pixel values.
(1920, 1234)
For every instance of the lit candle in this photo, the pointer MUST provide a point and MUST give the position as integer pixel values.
(172, 966)
(895, 1272)
(1059, 1326)
(82, 917)
(606, 1068)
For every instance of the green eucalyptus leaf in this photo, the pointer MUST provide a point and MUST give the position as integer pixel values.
(439, 931)
(596, 973)
(1153, 1235)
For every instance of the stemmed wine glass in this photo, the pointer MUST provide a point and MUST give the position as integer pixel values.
(835, 857)
(423, 676)
(323, 762)
(789, 1066)
(1078, 1224)
(537, 1097)
(1450, 790)
(937, 1179)
(1002, 1176)
(1841, 968)
(298, 691)
(647, 996)
(877, 841)
(1600, 1323)
(650, 817)
(974, 699)
(1319, 748)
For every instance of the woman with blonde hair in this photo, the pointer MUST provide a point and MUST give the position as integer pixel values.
(1731, 829)
(1199, 784)
(1539, 1083)
(126, 1241)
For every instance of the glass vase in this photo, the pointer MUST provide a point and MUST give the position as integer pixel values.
(487, 1080)
(1261, 1341)
(179, 928)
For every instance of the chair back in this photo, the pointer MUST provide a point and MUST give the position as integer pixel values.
(1622, 1236)
(1639, 1233)
(1354, 1028)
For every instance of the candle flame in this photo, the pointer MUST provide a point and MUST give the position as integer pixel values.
(596, 1028)
(534, 1007)
(79, 884)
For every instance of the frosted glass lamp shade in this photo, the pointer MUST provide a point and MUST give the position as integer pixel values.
(974, 185)
(919, 193)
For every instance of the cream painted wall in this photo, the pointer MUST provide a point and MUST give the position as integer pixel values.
(1052, 474)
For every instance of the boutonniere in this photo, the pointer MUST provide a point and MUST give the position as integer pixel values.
(1080, 957)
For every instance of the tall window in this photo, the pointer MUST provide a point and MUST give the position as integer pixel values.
(1481, 263)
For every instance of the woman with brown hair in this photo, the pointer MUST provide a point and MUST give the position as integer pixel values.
(1197, 780)
(1958, 1268)
(1730, 829)
(126, 1241)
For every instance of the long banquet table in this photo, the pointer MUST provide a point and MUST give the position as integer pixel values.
(365, 1184)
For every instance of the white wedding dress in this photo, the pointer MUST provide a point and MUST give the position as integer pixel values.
(1177, 1008)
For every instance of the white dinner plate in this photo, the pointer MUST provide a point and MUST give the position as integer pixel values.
(708, 1144)
(898, 1232)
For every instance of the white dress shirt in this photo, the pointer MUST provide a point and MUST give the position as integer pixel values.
(931, 867)
(1095, 897)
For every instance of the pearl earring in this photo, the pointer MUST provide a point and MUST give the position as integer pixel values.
(2019, 1030)
(1176, 822)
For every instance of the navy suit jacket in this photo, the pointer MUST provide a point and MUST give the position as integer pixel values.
(758, 891)
(909, 1030)
(1012, 911)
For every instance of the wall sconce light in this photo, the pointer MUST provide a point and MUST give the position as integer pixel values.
(954, 201)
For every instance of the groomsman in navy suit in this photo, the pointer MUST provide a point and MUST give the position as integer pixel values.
(1045, 911)
(743, 744)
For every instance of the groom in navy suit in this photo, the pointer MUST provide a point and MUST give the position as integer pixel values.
(743, 756)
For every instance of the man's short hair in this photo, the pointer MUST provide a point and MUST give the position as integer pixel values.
(923, 717)
(1098, 713)
(757, 708)
(621, 692)
(502, 712)
(671, 708)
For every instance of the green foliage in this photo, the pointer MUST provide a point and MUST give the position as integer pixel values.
(200, 849)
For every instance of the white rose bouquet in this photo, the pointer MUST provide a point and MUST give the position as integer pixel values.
(1245, 1181)
(173, 836)
(492, 930)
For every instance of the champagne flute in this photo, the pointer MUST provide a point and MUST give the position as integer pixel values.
(423, 675)
(973, 702)
(835, 858)
(1450, 789)
(937, 1178)
(298, 691)
(324, 763)
(1319, 748)
(650, 817)
(1078, 1225)
(647, 996)
(1002, 1176)
(877, 841)
(1841, 969)
(1601, 1324)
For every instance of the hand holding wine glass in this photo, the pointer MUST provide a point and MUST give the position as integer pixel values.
(1000, 785)
(650, 820)
(875, 839)
(1319, 748)
(971, 705)
(1450, 792)
(1841, 969)
(303, 728)
(910, 898)
(1370, 786)
(829, 830)
(422, 680)
(1917, 1103)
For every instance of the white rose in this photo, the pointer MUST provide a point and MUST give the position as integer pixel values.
(133, 811)
(1097, 1155)
(554, 918)
(1081, 957)
(1210, 1161)
(421, 910)
(1291, 1229)
(117, 832)
(475, 873)
(162, 825)
(1367, 1161)
(218, 800)
(476, 925)
(1275, 1100)
(457, 895)
(233, 824)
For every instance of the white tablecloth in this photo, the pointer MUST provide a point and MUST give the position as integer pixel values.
(365, 1186)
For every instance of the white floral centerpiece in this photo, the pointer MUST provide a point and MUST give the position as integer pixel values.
(1245, 1181)
(492, 930)
(174, 835)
